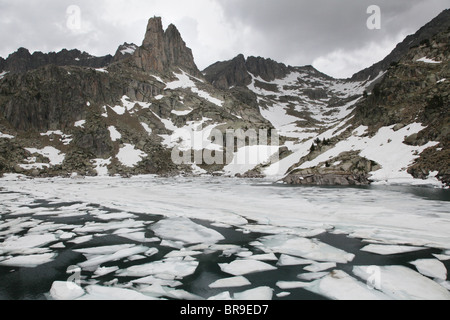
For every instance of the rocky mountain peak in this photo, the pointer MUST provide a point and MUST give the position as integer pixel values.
(154, 34)
(238, 71)
(163, 50)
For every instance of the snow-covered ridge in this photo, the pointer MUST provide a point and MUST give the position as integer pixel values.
(184, 82)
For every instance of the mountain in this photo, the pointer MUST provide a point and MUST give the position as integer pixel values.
(400, 130)
(149, 109)
(22, 60)
(124, 51)
(121, 119)
(439, 24)
(162, 50)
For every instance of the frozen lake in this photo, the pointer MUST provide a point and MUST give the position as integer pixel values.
(220, 238)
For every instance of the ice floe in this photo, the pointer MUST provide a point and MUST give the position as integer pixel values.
(317, 267)
(338, 285)
(260, 293)
(402, 283)
(390, 249)
(182, 229)
(312, 275)
(176, 268)
(94, 262)
(242, 266)
(286, 260)
(96, 292)
(16, 244)
(63, 290)
(306, 248)
(232, 282)
(285, 285)
(28, 261)
(431, 268)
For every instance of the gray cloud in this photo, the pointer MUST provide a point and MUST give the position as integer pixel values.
(330, 34)
(299, 32)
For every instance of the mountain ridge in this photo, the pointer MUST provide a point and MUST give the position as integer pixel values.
(148, 102)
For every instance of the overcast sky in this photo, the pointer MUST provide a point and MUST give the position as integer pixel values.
(332, 35)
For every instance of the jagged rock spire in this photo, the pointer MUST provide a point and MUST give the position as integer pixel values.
(164, 50)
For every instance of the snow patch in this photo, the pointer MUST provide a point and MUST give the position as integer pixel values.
(115, 135)
(80, 124)
(6, 136)
(129, 156)
(184, 82)
(428, 60)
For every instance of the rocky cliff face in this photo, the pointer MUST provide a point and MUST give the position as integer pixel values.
(238, 71)
(162, 50)
(124, 51)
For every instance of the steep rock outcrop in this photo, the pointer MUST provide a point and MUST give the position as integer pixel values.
(238, 71)
(125, 50)
(54, 97)
(164, 50)
(226, 74)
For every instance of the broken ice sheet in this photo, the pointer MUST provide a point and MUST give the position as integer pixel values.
(96, 292)
(317, 267)
(232, 282)
(183, 229)
(338, 285)
(95, 261)
(28, 261)
(390, 249)
(18, 244)
(402, 283)
(153, 280)
(102, 271)
(306, 248)
(260, 293)
(63, 290)
(286, 260)
(285, 285)
(177, 268)
(431, 268)
(91, 227)
(242, 267)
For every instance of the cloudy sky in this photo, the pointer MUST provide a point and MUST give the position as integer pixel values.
(331, 35)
